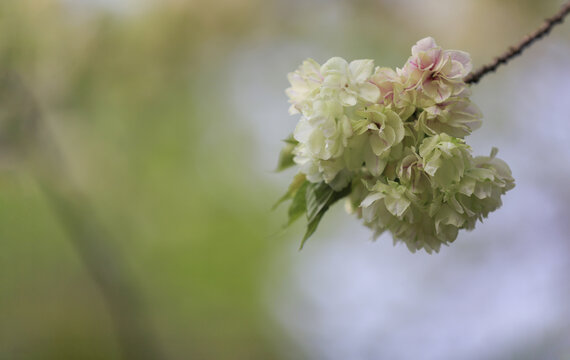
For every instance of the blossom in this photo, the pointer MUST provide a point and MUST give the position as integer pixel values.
(394, 207)
(445, 159)
(326, 131)
(350, 82)
(456, 116)
(484, 184)
(411, 172)
(393, 143)
(378, 132)
(393, 93)
(317, 170)
(437, 73)
(394, 197)
(305, 84)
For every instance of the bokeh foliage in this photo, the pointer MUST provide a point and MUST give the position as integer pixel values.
(128, 100)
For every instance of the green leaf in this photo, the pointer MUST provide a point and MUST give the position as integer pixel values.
(286, 155)
(290, 140)
(299, 205)
(319, 197)
(295, 185)
(311, 228)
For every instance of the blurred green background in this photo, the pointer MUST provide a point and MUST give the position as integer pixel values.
(149, 105)
(130, 100)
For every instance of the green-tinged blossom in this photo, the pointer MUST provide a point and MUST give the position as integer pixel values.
(392, 143)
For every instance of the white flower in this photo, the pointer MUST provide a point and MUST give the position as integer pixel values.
(445, 159)
(350, 82)
(378, 134)
(305, 85)
(325, 133)
(332, 171)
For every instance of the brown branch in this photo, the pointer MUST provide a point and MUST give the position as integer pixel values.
(513, 51)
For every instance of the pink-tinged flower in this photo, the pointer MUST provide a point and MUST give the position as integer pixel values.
(410, 172)
(456, 116)
(438, 74)
(426, 54)
(387, 80)
(392, 92)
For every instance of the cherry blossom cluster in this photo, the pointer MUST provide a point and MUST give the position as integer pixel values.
(395, 138)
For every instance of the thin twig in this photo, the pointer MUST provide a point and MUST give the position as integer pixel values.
(516, 50)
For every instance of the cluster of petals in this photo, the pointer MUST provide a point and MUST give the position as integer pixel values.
(396, 137)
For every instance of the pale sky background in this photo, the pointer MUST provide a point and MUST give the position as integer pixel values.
(499, 292)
